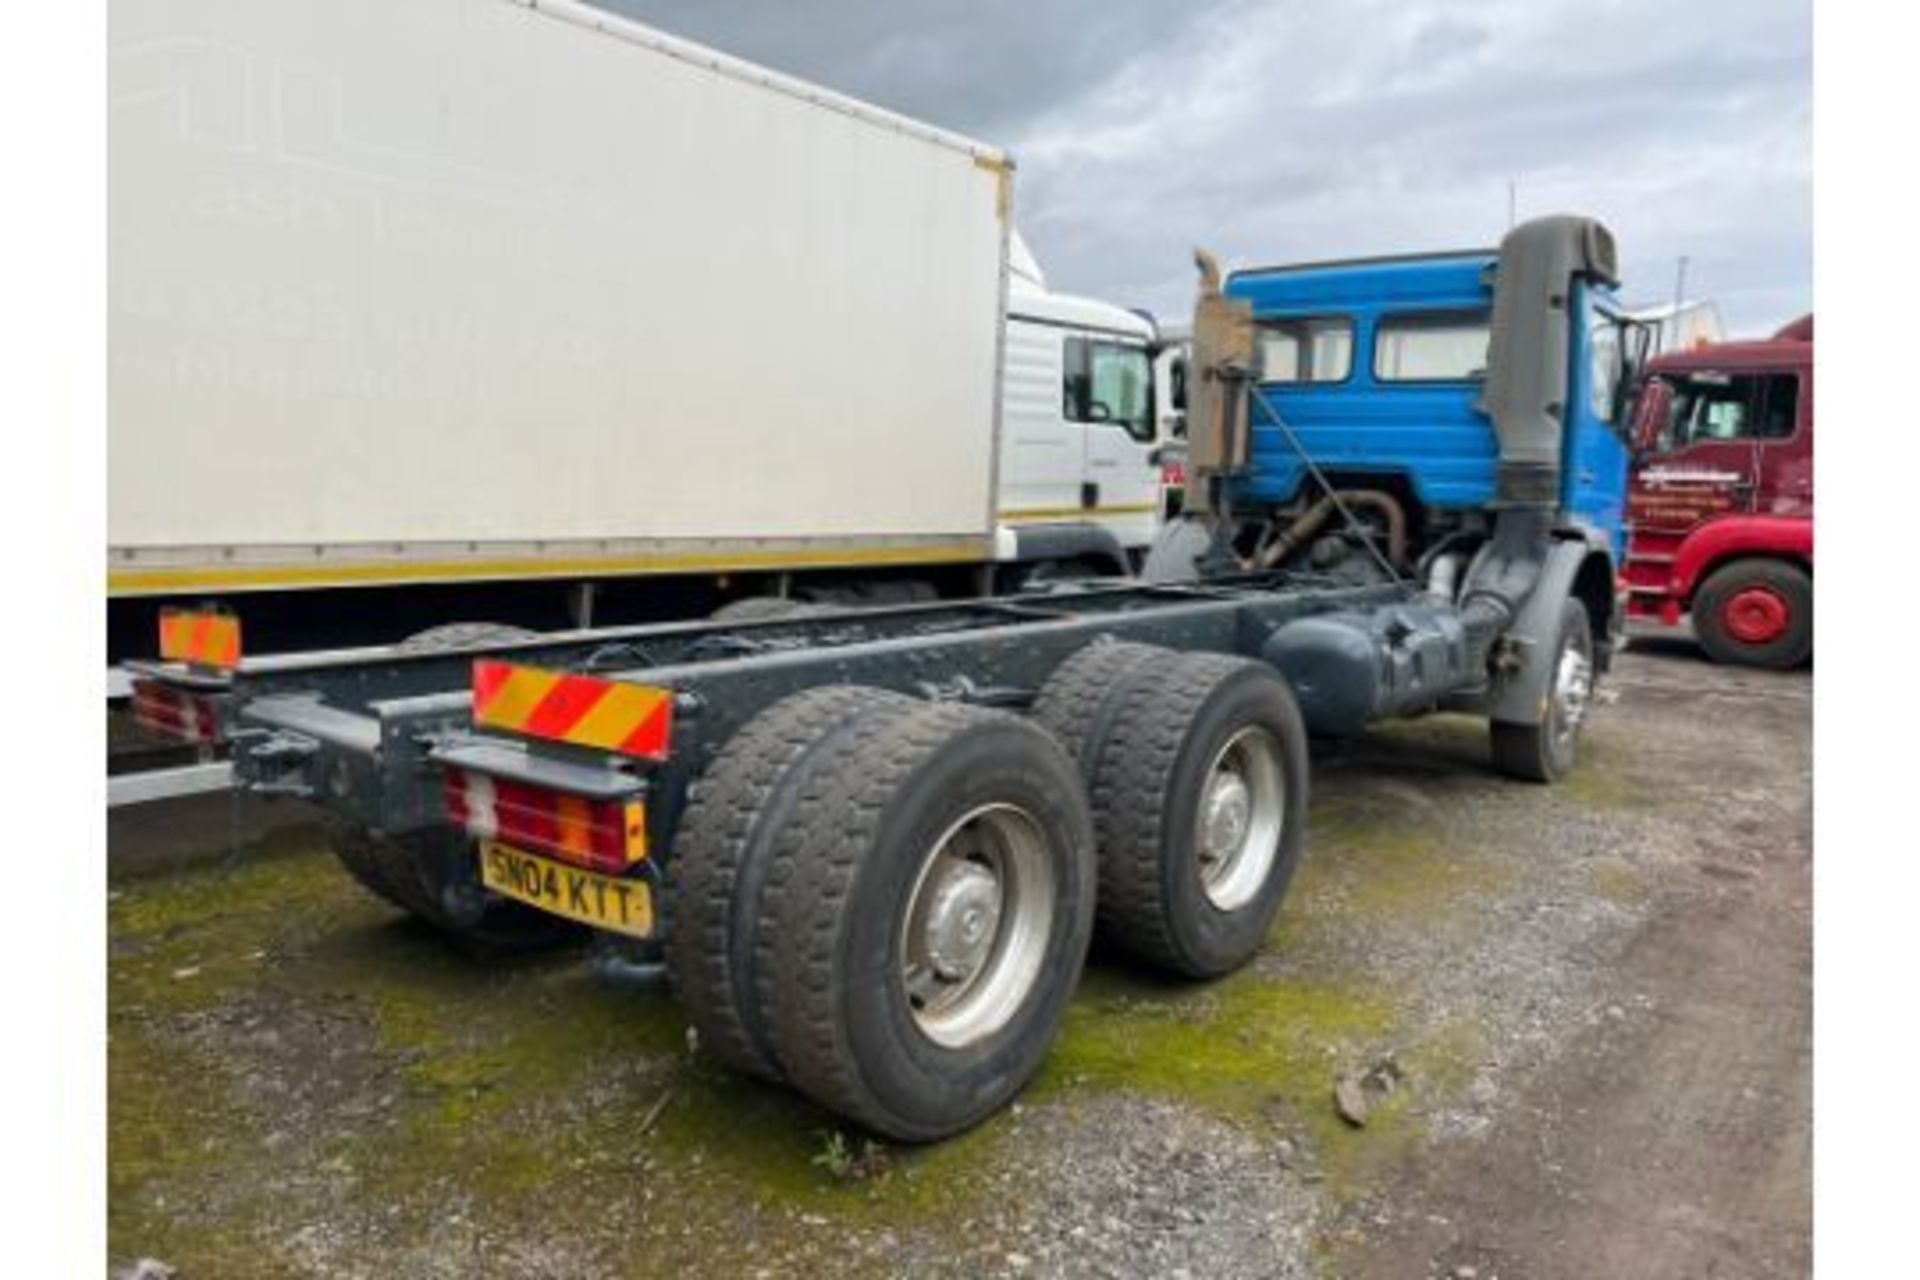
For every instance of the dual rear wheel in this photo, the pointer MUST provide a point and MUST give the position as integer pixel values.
(886, 902)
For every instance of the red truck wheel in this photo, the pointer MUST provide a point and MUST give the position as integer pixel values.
(1756, 613)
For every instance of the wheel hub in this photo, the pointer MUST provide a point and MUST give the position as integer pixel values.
(1756, 615)
(962, 919)
(1572, 689)
(1225, 815)
(1241, 814)
(975, 925)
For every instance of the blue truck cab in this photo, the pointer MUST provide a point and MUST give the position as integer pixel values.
(1377, 366)
(1449, 423)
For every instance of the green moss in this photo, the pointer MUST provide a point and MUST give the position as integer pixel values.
(1617, 881)
(159, 1106)
(182, 942)
(499, 1080)
(1361, 864)
(1250, 1049)
(1603, 778)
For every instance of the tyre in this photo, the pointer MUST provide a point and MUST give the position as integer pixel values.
(720, 855)
(463, 635)
(1199, 797)
(434, 875)
(1078, 701)
(1545, 750)
(355, 848)
(765, 609)
(927, 912)
(1756, 613)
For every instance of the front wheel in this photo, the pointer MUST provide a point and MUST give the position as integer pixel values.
(1756, 613)
(1545, 749)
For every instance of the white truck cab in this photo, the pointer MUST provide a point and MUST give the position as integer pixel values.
(1078, 430)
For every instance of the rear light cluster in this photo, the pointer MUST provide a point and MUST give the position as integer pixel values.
(1173, 474)
(175, 714)
(602, 835)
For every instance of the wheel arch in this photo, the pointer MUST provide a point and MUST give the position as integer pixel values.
(1718, 543)
(1518, 699)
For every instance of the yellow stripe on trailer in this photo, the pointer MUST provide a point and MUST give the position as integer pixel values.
(1078, 513)
(166, 579)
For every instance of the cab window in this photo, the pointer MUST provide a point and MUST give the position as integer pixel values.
(1432, 346)
(1109, 382)
(1603, 365)
(1719, 406)
(1308, 349)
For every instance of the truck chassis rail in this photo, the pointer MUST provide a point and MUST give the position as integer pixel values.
(357, 731)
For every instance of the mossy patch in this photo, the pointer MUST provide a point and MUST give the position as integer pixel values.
(171, 1133)
(1252, 1049)
(1363, 864)
(1617, 880)
(1604, 777)
(421, 1084)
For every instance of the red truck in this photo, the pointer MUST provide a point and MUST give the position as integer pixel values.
(1720, 507)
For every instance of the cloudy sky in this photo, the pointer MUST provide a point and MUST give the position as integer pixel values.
(1283, 130)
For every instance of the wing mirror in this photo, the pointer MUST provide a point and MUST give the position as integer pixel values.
(1650, 416)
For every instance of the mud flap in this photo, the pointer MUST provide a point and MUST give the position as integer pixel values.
(1521, 697)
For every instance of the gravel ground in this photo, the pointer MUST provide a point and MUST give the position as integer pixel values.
(1579, 1019)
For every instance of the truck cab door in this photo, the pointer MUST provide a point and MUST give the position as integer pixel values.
(1043, 449)
(1707, 460)
(1785, 483)
(1114, 399)
(1597, 449)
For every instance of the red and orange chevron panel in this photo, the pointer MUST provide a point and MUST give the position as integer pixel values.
(632, 719)
(200, 638)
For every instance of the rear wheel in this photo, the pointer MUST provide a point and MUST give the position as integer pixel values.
(936, 900)
(1756, 613)
(1199, 795)
(434, 875)
(766, 609)
(1545, 750)
(1078, 701)
(735, 811)
(464, 635)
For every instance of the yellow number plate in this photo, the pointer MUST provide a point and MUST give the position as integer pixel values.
(622, 906)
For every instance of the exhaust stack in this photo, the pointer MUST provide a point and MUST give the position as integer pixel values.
(1221, 366)
(1526, 388)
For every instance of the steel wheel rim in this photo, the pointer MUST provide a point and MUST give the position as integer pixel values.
(1243, 802)
(1572, 691)
(1756, 615)
(976, 925)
